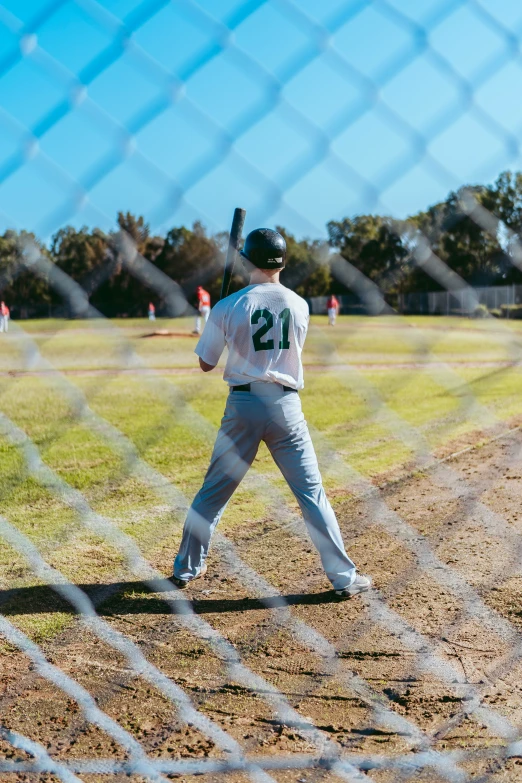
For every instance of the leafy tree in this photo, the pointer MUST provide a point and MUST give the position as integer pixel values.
(192, 258)
(466, 246)
(102, 263)
(139, 232)
(504, 199)
(79, 252)
(458, 237)
(26, 292)
(307, 270)
(115, 271)
(372, 244)
(431, 225)
(128, 288)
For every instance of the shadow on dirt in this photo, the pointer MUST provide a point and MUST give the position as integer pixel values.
(136, 598)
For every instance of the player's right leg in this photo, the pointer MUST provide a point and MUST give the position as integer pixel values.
(236, 446)
(290, 444)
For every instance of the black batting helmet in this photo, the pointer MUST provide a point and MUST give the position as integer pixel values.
(265, 249)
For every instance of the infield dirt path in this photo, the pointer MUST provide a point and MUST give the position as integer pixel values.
(437, 643)
(499, 366)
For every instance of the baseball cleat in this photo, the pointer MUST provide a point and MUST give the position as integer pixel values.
(361, 584)
(182, 583)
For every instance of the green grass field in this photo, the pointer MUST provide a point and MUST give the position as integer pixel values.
(447, 377)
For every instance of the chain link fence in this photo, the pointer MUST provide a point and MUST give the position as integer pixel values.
(434, 302)
(37, 559)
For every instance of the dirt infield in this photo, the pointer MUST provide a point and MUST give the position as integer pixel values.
(441, 655)
(169, 333)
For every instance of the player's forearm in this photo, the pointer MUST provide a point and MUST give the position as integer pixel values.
(206, 367)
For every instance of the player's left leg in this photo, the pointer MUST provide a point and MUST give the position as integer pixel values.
(236, 446)
(290, 444)
(206, 313)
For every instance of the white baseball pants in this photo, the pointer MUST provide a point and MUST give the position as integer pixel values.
(203, 313)
(270, 414)
(332, 315)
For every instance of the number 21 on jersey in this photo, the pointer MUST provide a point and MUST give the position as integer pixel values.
(268, 344)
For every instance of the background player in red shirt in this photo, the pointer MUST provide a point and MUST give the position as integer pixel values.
(203, 307)
(4, 317)
(332, 306)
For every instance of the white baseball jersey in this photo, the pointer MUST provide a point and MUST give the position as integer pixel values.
(264, 327)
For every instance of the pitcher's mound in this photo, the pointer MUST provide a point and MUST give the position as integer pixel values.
(168, 333)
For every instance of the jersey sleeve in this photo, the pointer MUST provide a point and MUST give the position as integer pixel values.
(212, 343)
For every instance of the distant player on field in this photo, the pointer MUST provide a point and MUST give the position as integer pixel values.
(332, 306)
(264, 327)
(203, 307)
(152, 312)
(4, 317)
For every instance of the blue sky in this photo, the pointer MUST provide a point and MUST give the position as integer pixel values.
(298, 110)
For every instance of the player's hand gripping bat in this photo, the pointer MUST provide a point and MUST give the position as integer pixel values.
(233, 247)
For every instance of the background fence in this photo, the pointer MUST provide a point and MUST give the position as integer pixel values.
(456, 302)
(462, 302)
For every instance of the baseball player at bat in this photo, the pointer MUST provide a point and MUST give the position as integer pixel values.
(264, 327)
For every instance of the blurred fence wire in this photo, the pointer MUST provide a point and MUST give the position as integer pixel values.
(422, 750)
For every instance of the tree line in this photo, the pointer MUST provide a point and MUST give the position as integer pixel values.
(459, 230)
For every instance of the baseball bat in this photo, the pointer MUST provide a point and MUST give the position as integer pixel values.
(233, 247)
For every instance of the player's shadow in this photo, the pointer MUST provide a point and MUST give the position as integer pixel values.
(120, 598)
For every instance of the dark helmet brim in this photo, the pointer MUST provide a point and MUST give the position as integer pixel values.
(265, 263)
